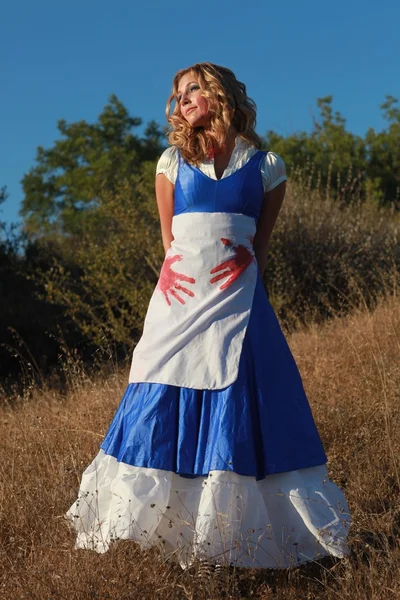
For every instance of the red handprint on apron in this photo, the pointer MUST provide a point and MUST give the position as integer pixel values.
(168, 282)
(233, 267)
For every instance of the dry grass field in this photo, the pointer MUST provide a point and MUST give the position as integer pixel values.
(351, 372)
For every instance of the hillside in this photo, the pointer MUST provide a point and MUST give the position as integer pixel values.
(351, 371)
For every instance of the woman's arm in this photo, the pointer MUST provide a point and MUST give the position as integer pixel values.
(165, 203)
(269, 213)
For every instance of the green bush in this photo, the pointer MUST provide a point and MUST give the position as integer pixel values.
(327, 257)
(113, 265)
(324, 259)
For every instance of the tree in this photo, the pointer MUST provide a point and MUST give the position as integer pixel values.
(3, 198)
(104, 280)
(330, 156)
(384, 156)
(62, 190)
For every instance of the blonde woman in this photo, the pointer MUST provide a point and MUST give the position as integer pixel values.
(213, 452)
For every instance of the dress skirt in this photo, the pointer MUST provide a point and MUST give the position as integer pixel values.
(233, 474)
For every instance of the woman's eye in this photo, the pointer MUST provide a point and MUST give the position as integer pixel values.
(192, 88)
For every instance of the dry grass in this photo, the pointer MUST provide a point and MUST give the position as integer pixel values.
(351, 372)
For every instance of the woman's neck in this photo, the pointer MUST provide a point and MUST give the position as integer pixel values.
(227, 145)
(222, 154)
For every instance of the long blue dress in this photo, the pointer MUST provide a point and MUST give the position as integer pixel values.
(256, 438)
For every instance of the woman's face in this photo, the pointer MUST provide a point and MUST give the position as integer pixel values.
(192, 105)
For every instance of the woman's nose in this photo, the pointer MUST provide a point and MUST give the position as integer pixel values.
(185, 98)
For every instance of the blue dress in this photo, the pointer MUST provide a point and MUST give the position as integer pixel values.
(258, 431)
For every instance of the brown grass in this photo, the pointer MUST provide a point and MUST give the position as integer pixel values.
(351, 372)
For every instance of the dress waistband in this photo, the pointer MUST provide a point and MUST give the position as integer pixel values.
(205, 225)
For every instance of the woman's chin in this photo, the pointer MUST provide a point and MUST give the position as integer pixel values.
(198, 123)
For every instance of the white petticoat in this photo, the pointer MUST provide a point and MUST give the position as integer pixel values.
(280, 521)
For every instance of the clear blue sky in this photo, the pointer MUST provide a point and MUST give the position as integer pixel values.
(63, 60)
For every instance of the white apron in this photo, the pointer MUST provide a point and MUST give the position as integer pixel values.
(198, 313)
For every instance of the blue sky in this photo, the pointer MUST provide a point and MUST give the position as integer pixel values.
(64, 59)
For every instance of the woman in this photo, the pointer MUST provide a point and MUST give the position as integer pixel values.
(213, 451)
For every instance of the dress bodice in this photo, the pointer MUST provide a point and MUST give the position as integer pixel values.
(242, 192)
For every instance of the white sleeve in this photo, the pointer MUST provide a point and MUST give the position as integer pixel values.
(168, 164)
(273, 171)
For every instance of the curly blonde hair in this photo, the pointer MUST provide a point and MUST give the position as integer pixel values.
(229, 105)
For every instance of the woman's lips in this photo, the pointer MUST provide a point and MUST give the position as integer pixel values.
(190, 109)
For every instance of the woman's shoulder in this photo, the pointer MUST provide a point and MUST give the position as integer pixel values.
(168, 163)
(169, 153)
(270, 159)
(273, 170)
(273, 157)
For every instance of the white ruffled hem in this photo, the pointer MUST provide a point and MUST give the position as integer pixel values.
(277, 522)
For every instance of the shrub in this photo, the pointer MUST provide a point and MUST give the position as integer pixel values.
(325, 257)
